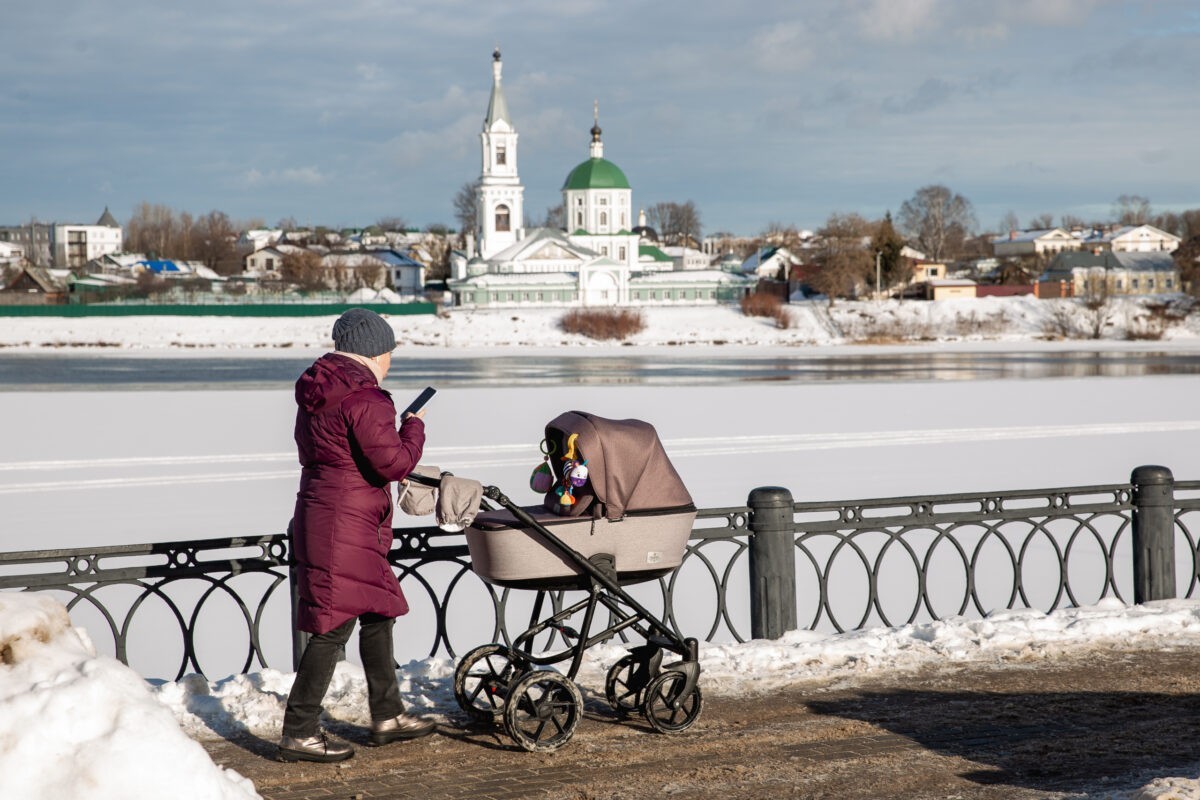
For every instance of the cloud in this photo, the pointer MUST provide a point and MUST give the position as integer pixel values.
(367, 72)
(898, 20)
(288, 176)
(784, 47)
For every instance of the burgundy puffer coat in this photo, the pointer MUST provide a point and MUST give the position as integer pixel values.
(342, 529)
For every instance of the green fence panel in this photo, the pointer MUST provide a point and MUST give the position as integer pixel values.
(214, 310)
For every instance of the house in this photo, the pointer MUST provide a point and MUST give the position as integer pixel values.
(927, 271)
(11, 254)
(268, 260)
(688, 257)
(377, 268)
(37, 285)
(1132, 239)
(1041, 241)
(73, 246)
(257, 239)
(770, 262)
(1109, 274)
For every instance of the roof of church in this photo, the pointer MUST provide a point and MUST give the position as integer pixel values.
(596, 173)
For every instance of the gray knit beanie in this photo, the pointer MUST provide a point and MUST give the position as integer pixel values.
(362, 331)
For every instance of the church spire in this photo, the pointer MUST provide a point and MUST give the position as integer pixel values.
(497, 106)
(597, 148)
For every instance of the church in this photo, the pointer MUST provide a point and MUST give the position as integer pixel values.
(597, 258)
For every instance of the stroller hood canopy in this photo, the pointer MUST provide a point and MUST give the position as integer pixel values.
(628, 469)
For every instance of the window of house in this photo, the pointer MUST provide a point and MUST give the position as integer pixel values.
(270, 263)
(1170, 283)
(1133, 283)
(502, 219)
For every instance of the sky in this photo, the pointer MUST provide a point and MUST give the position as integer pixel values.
(775, 112)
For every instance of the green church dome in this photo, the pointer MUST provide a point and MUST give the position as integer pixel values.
(596, 173)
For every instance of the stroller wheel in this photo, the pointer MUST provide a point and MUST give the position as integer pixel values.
(481, 682)
(542, 711)
(621, 686)
(665, 709)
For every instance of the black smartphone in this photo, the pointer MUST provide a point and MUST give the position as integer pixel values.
(422, 399)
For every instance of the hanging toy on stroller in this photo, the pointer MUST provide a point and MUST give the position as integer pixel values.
(616, 513)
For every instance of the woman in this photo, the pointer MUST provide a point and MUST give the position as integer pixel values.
(351, 453)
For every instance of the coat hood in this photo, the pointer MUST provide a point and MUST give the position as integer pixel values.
(328, 381)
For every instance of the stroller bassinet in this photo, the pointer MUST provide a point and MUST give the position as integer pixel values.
(634, 508)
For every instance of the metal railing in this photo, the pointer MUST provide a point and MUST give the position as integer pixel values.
(224, 606)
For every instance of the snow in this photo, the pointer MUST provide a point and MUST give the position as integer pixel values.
(1007, 320)
(222, 463)
(75, 724)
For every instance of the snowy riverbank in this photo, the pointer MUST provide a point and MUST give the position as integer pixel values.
(988, 321)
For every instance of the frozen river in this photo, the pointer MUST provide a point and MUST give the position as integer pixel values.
(129, 464)
(119, 372)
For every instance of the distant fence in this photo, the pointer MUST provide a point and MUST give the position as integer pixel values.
(755, 571)
(248, 309)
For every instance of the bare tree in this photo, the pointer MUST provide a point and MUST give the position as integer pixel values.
(397, 224)
(1042, 222)
(1131, 209)
(304, 269)
(938, 220)
(843, 260)
(216, 243)
(1070, 221)
(466, 211)
(676, 223)
(1010, 222)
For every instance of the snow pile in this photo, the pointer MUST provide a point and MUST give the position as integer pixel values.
(1010, 319)
(74, 724)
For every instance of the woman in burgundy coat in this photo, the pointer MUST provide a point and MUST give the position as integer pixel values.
(351, 452)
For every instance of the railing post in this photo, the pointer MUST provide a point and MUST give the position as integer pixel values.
(772, 563)
(1153, 534)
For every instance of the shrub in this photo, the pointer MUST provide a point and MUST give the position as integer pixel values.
(603, 323)
(761, 304)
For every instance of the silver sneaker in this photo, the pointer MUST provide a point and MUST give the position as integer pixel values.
(404, 726)
(314, 748)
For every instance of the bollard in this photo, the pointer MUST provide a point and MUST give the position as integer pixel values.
(772, 563)
(1153, 534)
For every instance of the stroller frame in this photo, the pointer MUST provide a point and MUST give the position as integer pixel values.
(540, 708)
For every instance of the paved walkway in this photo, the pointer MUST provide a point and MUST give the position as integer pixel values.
(1097, 727)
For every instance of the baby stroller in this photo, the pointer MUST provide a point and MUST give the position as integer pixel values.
(615, 513)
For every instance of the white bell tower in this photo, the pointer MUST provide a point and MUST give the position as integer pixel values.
(500, 204)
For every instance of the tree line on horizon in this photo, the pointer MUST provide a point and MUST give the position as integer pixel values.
(936, 221)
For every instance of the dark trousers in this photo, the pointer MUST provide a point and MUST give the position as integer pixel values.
(300, 720)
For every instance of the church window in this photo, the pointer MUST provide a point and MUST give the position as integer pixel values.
(623, 222)
(501, 153)
(502, 219)
(604, 250)
(604, 218)
(579, 219)
(621, 253)
(603, 201)
(579, 202)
